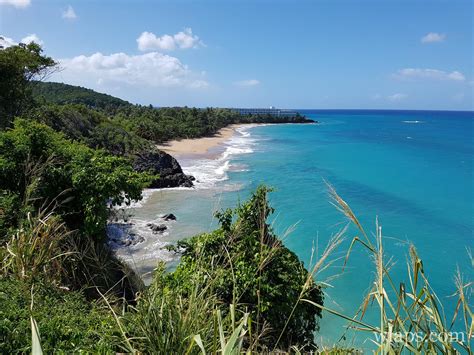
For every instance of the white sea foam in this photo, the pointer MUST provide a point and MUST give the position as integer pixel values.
(209, 172)
(146, 194)
(135, 242)
(413, 122)
(149, 245)
(236, 167)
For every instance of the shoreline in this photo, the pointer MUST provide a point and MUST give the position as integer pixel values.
(189, 148)
(197, 147)
(205, 158)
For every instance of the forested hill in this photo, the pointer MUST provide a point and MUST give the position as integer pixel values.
(59, 93)
(104, 121)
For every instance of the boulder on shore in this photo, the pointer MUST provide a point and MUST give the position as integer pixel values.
(160, 163)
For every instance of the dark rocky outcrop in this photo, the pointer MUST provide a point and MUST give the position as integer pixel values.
(157, 228)
(127, 240)
(169, 217)
(160, 163)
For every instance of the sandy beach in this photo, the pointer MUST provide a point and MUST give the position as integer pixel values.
(198, 146)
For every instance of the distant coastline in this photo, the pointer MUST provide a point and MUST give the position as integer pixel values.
(201, 147)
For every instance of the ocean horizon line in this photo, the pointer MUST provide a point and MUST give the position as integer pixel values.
(328, 109)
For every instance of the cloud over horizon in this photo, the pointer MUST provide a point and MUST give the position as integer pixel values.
(247, 83)
(397, 97)
(431, 74)
(16, 3)
(151, 69)
(392, 98)
(433, 37)
(185, 39)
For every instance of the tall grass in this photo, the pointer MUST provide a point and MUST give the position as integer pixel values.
(36, 249)
(165, 321)
(411, 316)
(172, 320)
(94, 267)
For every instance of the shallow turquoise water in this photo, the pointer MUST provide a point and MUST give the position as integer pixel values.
(411, 170)
(416, 177)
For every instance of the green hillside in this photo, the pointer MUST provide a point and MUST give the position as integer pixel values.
(59, 93)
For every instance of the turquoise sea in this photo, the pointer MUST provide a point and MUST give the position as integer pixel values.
(413, 170)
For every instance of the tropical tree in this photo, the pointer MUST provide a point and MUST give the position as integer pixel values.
(19, 65)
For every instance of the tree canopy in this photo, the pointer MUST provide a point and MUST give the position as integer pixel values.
(19, 65)
(39, 166)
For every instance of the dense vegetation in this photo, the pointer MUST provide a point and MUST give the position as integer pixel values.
(58, 93)
(65, 160)
(68, 322)
(240, 271)
(104, 120)
(19, 65)
(266, 277)
(40, 166)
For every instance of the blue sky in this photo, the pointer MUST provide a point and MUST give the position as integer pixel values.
(409, 54)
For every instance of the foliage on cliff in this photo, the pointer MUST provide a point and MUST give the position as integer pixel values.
(249, 266)
(38, 166)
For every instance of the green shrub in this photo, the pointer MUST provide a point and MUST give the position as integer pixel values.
(247, 266)
(39, 166)
(67, 322)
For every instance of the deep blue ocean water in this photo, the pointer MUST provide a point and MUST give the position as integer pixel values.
(413, 170)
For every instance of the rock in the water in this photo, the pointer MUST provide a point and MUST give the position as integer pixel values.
(157, 228)
(169, 217)
(128, 240)
(160, 163)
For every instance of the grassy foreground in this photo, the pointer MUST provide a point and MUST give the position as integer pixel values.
(237, 289)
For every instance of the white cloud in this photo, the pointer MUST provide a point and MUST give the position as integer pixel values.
(69, 13)
(16, 3)
(182, 40)
(6, 42)
(32, 38)
(151, 69)
(433, 74)
(397, 97)
(433, 37)
(198, 84)
(247, 83)
(393, 98)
